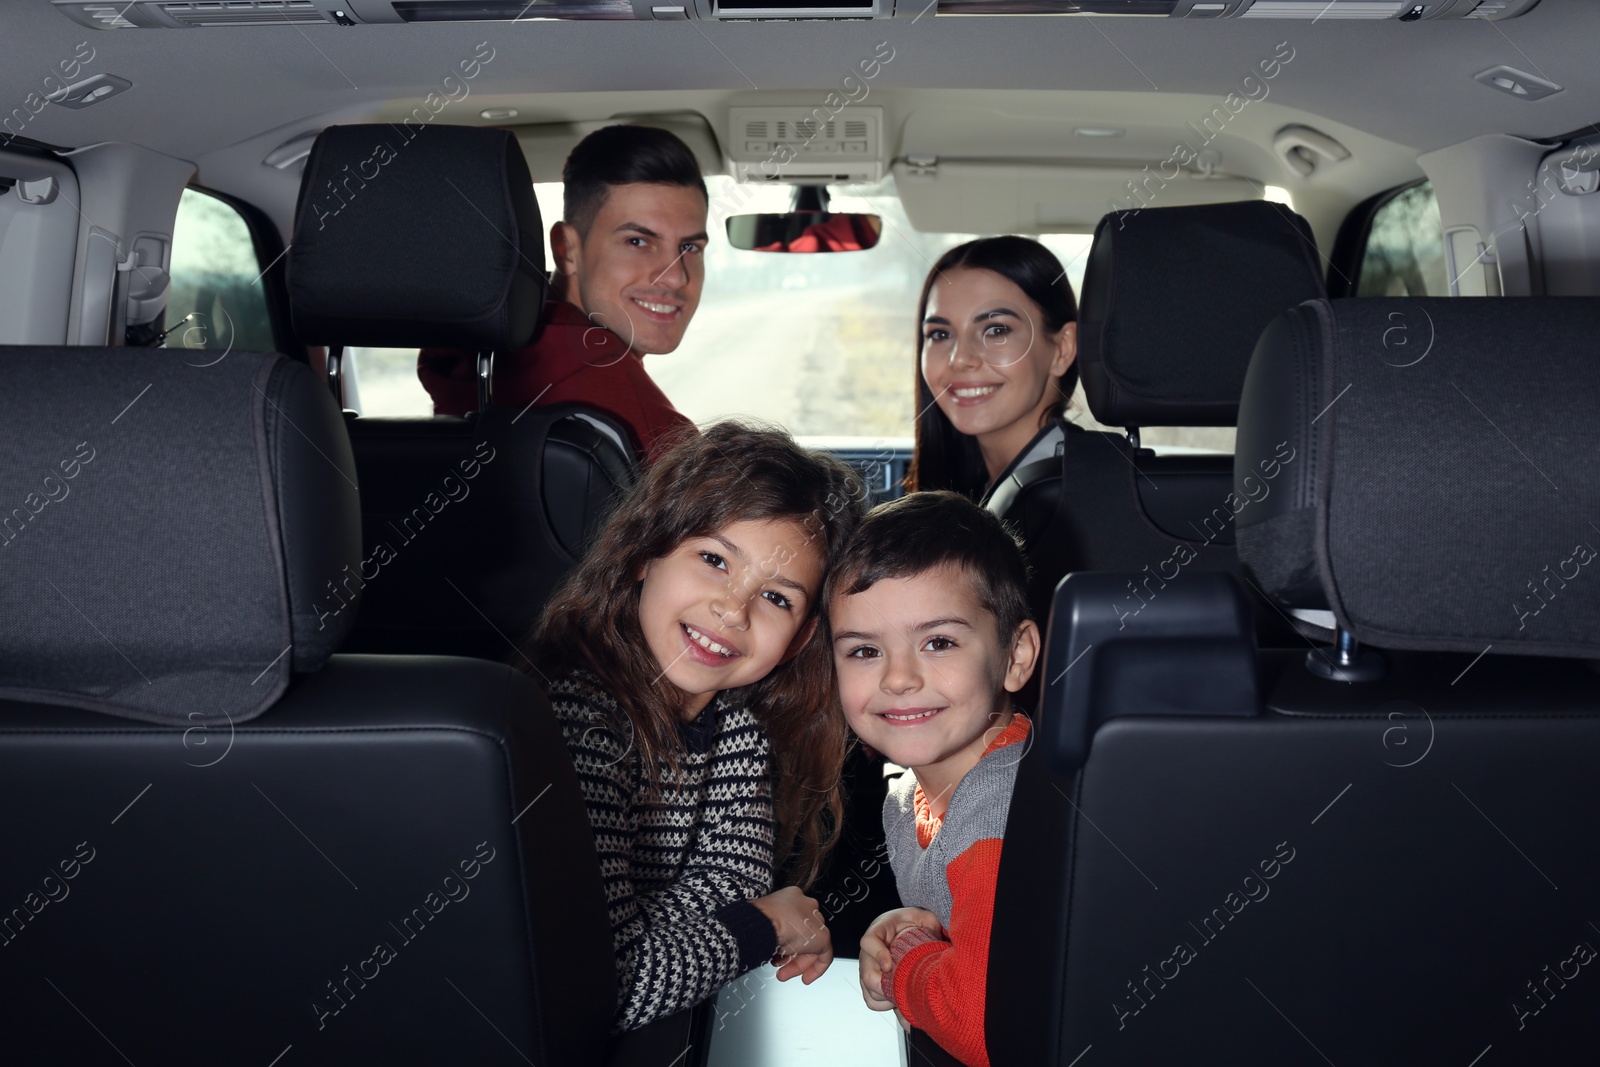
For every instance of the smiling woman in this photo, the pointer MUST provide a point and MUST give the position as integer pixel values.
(998, 351)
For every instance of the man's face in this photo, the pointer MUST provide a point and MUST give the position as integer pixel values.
(639, 271)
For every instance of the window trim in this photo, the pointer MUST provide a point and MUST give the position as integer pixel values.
(269, 248)
(1350, 246)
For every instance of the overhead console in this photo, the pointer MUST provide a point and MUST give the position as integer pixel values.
(195, 14)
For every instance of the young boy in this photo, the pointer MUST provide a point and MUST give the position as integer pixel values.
(928, 615)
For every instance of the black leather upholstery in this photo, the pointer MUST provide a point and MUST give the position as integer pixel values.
(478, 518)
(1173, 300)
(1273, 873)
(236, 872)
(171, 532)
(408, 236)
(1125, 510)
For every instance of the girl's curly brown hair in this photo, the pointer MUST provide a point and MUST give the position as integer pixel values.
(730, 473)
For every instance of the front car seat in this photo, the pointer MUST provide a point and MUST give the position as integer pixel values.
(225, 840)
(468, 523)
(1374, 852)
(1173, 301)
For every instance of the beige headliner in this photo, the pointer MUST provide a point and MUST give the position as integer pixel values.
(223, 98)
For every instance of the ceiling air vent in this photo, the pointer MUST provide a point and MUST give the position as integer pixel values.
(257, 13)
(1500, 9)
(807, 144)
(197, 14)
(1317, 10)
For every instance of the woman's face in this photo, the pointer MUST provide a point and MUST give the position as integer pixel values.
(990, 364)
(722, 611)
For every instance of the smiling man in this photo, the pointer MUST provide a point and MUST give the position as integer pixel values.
(629, 257)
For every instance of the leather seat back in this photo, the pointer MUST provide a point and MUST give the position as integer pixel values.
(1173, 301)
(1215, 856)
(469, 523)
(237, 844)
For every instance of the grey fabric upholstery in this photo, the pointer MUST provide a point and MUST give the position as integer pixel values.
(1443, 494)
(172, 531)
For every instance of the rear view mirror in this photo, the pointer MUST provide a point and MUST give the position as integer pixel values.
(804, 231)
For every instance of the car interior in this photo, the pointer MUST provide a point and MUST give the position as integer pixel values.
(1321, 630)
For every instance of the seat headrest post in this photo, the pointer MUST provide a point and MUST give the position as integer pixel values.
(1349, 662)
(485, 379)
(1133, 437)
(336, 374)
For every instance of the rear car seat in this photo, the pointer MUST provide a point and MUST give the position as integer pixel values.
(468, 523)
(1221, 856)
(1173, 301)
(225, 840)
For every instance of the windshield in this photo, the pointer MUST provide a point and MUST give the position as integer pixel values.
(823, 345)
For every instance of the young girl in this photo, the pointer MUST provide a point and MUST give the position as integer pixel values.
(700, 714)
(997, 345)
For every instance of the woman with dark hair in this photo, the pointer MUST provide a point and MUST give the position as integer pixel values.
(997, 337)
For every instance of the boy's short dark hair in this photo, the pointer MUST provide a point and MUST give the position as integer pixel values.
(921, 531)
(623, 155)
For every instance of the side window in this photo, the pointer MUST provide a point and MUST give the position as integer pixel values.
(1404, 254)
(216, 280)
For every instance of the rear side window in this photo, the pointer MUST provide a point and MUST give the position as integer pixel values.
(1404, 253)
(216, 280)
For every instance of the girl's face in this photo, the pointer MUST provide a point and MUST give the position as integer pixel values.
(722, 611)
(992, 368)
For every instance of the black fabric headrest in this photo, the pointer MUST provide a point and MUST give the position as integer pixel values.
(1425, 469)
(408, 236)
(1173, 301)
(174, 534)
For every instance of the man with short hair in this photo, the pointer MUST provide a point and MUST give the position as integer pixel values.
(629, 269)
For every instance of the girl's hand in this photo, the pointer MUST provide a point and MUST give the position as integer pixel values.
(805, 947)
(876, 959)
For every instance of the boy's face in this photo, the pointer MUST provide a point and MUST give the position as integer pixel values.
(923, 675)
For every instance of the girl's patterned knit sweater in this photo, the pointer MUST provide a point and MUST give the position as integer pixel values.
(680, 867)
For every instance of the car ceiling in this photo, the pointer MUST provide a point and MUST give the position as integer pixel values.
(196, 92)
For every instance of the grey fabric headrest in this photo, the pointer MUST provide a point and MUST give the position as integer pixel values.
(1425, 468)
(174, 536)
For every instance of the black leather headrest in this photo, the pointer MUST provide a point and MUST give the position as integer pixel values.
(407, 236)
(1425, 469)
(1173, 301)
(175, 536)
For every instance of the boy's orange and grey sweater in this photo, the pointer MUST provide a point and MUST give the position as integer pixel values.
(950, 867)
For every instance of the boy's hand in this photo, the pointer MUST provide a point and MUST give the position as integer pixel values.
(876, 960)
(805, 947)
